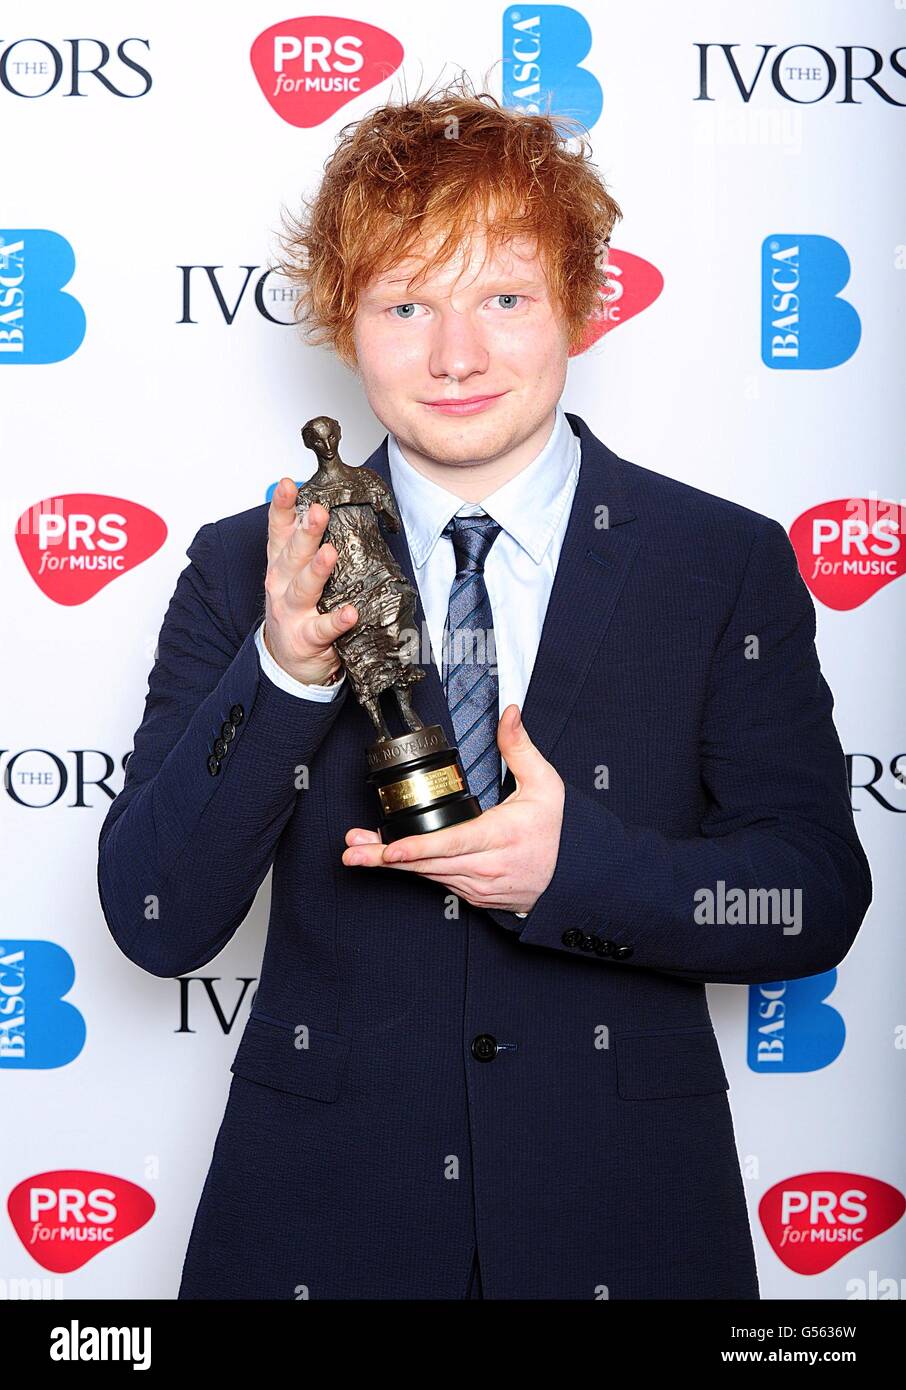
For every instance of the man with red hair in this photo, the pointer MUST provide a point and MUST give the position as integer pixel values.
(480, 1061)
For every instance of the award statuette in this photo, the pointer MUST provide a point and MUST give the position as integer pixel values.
(418, 777)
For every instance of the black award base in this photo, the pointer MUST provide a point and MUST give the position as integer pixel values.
(420, 784)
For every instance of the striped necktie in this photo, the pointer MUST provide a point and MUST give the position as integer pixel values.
(470, 665)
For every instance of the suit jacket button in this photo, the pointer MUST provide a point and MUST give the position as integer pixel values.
(605, 948)
(622, 952)
(484, 1047)
(213, 765)
(219, 747)
(227, 731)
(588, 943)
(571, 937)
(237, 714)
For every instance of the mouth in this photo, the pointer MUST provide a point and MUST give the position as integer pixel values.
(468, 405)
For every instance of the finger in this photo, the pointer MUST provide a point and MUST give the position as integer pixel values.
(305, 583)
(358, 836)
(469, 837)
(370, 856)
(325, 628)
(373, 856)
(463, 883)
(281, 517)
(463, 887)
(301, 544)
(477, 866)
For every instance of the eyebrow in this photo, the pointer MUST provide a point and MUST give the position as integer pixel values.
(384, 289)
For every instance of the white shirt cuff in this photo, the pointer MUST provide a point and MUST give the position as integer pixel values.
(286, 682)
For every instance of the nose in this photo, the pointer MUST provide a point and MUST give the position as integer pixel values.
(457, 347)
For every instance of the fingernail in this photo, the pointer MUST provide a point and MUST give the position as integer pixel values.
(357, 840)
(352, 858)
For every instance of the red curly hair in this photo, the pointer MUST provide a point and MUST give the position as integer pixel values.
(439, 166)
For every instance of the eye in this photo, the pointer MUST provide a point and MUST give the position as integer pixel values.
(511, 297)
(404, 306)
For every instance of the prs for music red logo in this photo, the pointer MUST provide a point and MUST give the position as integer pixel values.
(633, 285)
(850, 548)
(309, 67)
(814, 1219)
(74, 545)
(65, 1218)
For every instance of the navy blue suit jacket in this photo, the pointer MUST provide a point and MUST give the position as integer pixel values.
(369, 1147)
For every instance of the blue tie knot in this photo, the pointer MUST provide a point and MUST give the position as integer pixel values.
(472, 538)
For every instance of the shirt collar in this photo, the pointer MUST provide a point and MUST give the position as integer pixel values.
(529, 507)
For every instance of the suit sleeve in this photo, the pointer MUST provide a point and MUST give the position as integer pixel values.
(188, 841)
(778, 818)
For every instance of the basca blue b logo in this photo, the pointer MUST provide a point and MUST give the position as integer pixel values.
(38, 1028)
(792, 1027)
(39, 322)
(542, 49)
(804, 325)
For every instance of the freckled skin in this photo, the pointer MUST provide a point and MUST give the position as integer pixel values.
(463, 337)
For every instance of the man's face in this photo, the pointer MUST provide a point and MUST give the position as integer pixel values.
(468, 330)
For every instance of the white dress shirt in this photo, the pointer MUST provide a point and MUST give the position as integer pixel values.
(532, 510)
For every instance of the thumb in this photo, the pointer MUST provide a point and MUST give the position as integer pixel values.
(519, 753)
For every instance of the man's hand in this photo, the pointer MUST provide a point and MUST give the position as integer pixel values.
(297, 635)
(503, 859)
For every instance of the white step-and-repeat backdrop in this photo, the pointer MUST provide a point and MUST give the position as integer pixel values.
(152, 380)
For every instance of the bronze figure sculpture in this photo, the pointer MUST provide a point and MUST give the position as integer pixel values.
(365, 575)
(418, 777)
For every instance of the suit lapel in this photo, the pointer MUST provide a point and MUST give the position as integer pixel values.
(594, 562)
(598, 552)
